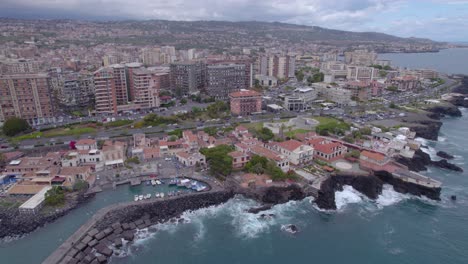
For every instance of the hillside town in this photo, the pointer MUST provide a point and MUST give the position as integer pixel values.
(88, 117)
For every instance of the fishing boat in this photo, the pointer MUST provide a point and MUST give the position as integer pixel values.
(135, 198)
(162, 195)
(149, 195)
(184, 183)
(153, 182)
(158, 182)
(156, 195)
(200, 188)
(140, 197)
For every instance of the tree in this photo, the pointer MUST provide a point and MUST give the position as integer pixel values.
(392, 105)
(176, 132)
(299, 75)
(2, 160)
(265, 134)
(218, 159)
(55, 196)
(13, 126)
(211, 130)
(183, 101)
(216, 109)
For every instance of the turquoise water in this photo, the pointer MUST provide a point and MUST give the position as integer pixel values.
(44, 241)
(446, 61)
(394, 229)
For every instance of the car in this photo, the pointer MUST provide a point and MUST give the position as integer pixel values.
(167, 159)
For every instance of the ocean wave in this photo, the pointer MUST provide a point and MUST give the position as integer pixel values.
(389, 196)
(347, 196)
(441, 139)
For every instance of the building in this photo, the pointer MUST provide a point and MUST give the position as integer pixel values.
(278, 66)
(114, 153)
(300, 99)
(265, 80)
(405, 83)
(34, 204)
(360, 73)
(222, 79)
(188, 77)
(239, 159)
(190, 159)
(296, 152)
(20, 66)
(245, 102)
(120, 83)
(27, 96)
(360, 90)
(340, 96)
(146, 87)
(77, 90)
(105, 92)
(360, 57)
(327, 150)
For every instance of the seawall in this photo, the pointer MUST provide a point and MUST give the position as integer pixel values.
(111, 224)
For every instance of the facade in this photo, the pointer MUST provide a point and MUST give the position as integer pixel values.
(190, 159)
(340, 96)
(77, 90)
(21, 66)
(327, 150)
(265, 80)
(245, 102)
(360, 57)
(301, 99)
(296, 152)
(145, 88)
(120, 83)
(405, 83)
(188, 77)
(278, 66)
(360, 90)
(222, 79)
(28, 96)
(360, 73)
(239, 159)
(105, 92)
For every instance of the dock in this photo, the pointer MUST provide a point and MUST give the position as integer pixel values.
(135, 182)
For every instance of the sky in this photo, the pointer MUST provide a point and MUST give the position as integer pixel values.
(442, 20)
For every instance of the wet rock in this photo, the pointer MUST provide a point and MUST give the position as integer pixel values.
(86, 239)
(444, 155)
(132, 226)
(139, 222)
(418, 163)
(72, 261)
(89, 258)
(256, 210)
(72, 253)
(116, 225)
(93, 232)
(128, 235)
(104, 250)
(100, 235)
(290, 228)
(125, 226)
(118, 231)
(118, 242)
(92, 243)
(80, 246)
(101, 259)
(453, 197)
(108, 231)
(444, 164)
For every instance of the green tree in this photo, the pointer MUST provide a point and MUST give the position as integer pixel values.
(80, 185)
(55, 196)
(2, 160)
(183, 101)
(300, 75)
(176, 132)
(13, 126)
(265, 134)
(211, 130)
(219, 161)
(216, 109)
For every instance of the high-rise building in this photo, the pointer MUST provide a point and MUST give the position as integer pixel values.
(223, 79)
(360, 57)
(188, 77)
(277, 66)
(105, 92)
(146, 88)
(77, 90)
(28, 96)
(361, 73)
(120, 83)
(19, 66)
(129, 69)
(150, 57)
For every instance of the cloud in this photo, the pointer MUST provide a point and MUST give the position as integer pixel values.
(387, 16)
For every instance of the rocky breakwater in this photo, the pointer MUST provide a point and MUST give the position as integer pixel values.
(459, 95)
(421, 160)
(15, 224)
(95, 241)
(425, 124)
(370, 185)
(443, 109)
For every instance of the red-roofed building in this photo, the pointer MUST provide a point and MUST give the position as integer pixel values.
(190, 159)
(239, 159)
(374, 161)
(280, 160)
(296, 152)
(329, 151)
(245, 102)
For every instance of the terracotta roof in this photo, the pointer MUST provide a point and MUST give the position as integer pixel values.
(373, 155)
(25, 189)
(315, 141)
(243, 93)
(12, 155)
(327, 148)
(74, 170)
(290, 145)
(261, 151)
(236, 154)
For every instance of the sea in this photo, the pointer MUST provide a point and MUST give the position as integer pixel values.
(395, 228)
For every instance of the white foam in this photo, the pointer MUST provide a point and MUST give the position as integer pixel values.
(441, 139)
(347, 196)
(389, 196)
(431, 152)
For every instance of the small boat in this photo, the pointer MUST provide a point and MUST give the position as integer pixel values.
(148, 182)
(135, 198)
(172, 182)
(140, 197)
(153, 182)
(162, 195)
(158, 182)
(149, 195)
(156, 195)
(200, 188)
(162, 182)
(184, 183)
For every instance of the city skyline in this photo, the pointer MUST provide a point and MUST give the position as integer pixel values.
(435, 19)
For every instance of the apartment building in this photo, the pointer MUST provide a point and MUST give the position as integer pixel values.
(105, 92)
(188, 77)
(245, 102)
(222, 79)
(28, 96)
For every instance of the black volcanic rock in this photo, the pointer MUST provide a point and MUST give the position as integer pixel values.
(444, 164)
(418, 163)
(445, 109)
(444, 155)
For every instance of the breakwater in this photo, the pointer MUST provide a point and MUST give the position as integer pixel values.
(111, 225)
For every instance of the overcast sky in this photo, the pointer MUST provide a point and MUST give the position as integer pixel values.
(436, 19)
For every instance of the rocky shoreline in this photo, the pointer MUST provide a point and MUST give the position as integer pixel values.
(421, 160)
(371, 186)
(14, 224)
